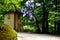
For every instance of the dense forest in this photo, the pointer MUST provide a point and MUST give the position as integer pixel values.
(41, 16)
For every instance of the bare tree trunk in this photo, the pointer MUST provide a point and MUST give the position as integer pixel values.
(45, 20)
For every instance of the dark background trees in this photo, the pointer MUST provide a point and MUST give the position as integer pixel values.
(46, 17)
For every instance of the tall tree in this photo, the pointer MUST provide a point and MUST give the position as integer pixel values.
(45, 18)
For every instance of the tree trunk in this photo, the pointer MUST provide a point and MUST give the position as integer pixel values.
(55, 25)
(37, 24)
(58, 28)
(45, 20)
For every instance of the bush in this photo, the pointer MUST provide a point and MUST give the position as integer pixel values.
(29, 28)
(7, 33)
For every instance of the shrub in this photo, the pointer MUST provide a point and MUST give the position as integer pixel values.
(7, 33)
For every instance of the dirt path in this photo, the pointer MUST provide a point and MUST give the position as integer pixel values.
(26, 36)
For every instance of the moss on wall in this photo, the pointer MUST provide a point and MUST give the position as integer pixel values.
(7, 33)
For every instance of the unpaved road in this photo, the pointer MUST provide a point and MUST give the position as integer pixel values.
(26, 36)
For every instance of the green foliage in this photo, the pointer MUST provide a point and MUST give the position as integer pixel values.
(1, 18)
(7, 33)
(8, 5)
(29, 28)
(53, 16)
